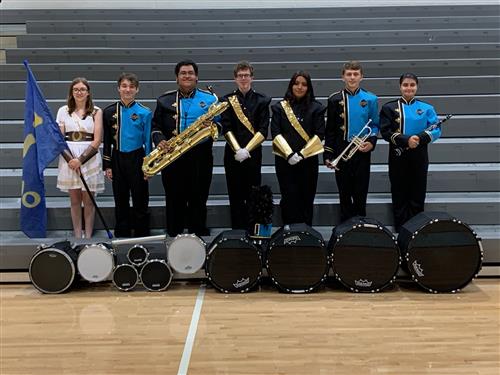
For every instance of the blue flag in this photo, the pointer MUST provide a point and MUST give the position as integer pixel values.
(43, 141)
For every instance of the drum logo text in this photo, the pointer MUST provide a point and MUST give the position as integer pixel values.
(241, 283)
(291, 240)
(363, 283)
(418, 268)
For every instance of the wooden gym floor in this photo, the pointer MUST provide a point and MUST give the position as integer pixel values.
(188, 329)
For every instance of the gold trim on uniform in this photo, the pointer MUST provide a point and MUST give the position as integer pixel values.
(343, 115)
(256, 140)
(393, 138)
(281, 147)
(235, 103)
(313, 147)
(293, 120)
(232, 142)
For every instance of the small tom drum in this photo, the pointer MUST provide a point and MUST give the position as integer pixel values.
(125, 277)
(186, 254)
(156, 275)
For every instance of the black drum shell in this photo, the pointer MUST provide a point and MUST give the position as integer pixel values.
(125, 277)
(233, 264)
(296, 259)
(156, 275)
(52, 268)
(364, 254)
(441, 253)
(138, 255)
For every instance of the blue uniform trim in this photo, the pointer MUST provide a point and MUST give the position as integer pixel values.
(135, 128)
(360, 107)
(193, 107)
(416, 117)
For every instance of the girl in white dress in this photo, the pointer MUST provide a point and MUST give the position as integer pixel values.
(81, 124)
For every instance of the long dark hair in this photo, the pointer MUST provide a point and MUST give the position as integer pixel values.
(309, 97)
(89, 105)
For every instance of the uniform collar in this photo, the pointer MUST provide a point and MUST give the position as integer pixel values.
(352, 93)
(131, 104)
(239, 93)
(189, 95)
(403, 100)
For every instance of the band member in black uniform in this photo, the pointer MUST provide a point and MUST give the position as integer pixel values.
(245, 127)
(407, 124)
(348, 112)
(127, 139)
(187, 180)
(297, 127)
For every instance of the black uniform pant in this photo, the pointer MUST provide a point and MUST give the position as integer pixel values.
(408, 176)
(240, 177)
(353, 178)
(128, 179)
(186, 182)
(298, 188)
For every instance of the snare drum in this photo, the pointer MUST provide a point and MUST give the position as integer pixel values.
(52, 268)
(186, 254)
(297, 259)
(365, 255)
(441, 253)
(234, 264)
(156, 275)
(96, 262)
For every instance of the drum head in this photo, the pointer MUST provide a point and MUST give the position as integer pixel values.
(156, 275)
(365, 257)
(297, 262)
(138, 255)
(95, 262)
(444, 256)
(186, 254)
(52, 270)
(125, 277)
(234, 264)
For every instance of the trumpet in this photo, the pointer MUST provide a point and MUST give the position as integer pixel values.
(354, 145)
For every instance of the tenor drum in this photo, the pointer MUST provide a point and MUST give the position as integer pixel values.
(125, 277)
(156, 275)
(52, 268)
(441, 253)
(96, 262)
(234, 263)
(137, 255)
(365, 255)
(297, 259)
(186, 254)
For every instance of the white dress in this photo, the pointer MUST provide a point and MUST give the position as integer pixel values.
(92, 169)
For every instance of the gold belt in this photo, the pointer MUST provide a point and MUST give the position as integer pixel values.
(78, 136)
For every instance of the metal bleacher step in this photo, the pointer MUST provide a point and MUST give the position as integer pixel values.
(444, 150)
(468, 177)
(269, 53)
(13, 109)
(323, 87)
(160, 71)
(478, 208)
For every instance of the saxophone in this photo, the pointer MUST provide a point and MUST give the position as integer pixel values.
(184, 141)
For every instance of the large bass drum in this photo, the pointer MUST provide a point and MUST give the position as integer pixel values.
(234, 263)
(297, 260)
(441, 253)
(53, 268)
(186, 253)
(365, 255)
(96, 262)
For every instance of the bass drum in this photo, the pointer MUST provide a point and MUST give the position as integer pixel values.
(156, 275)
(186, 253)
(96, 262)
(297, 260)
(52, 268)
(441, 253)
(234, 263)
(365, 255)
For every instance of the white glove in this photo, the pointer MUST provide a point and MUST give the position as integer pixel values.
(241, 154)
(294, 159)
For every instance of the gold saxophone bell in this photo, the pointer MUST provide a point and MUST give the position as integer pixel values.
(158, 159)
(354, 145)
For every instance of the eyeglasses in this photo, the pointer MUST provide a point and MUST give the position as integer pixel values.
(184, 73)
(82, 90)
(241, 76)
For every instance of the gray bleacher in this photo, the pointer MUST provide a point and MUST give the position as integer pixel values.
(454, 49)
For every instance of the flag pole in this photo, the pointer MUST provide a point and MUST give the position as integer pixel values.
(110, 236)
